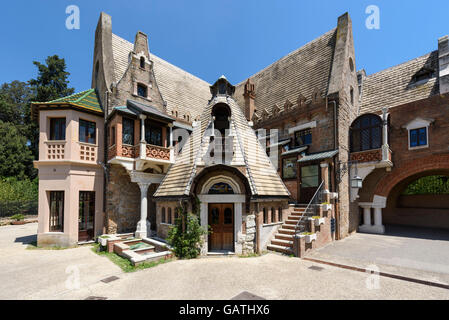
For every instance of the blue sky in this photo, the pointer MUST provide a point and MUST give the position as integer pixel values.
(210, 37)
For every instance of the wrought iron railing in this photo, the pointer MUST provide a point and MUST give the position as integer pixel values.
(312, 208)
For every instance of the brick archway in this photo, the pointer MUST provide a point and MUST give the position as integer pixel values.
(410, 168)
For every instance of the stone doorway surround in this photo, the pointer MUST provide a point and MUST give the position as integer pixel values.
(144, 180)
(237, 199)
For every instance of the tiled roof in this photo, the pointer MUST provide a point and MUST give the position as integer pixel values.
(394, 86)
(249, 153)
(148, 109)
(86, 100)
(180, 89)
(318, 156)
(300, 72)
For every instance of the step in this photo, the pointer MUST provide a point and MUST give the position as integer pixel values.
(286, 231)
(289, 226)
(282, 236)
(282, 243)
(281, 249)
(294, 222)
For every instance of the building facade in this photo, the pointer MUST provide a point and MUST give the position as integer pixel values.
(149, 138)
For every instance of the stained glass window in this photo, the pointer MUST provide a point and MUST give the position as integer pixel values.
(221, 188)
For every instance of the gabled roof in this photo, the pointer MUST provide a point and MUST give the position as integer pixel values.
(299, 73)
(85, 100)
(395, 86)
(179, 88)
(249, 154)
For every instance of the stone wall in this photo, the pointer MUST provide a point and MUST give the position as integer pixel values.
(123, 202)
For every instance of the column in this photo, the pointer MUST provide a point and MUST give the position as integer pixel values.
(141, 231)
(143, 145)
(367, 216)
(385, 147)
(378, 227)
(171, 135)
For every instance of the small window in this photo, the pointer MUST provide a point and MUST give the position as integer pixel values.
(56, 211)
(303, 138)
(142, 62)
(128, 131)
(310, 176)
(169, 218)
(163, 215)
(273, 215)
(418, 137)
(142, 90)
(87, 131)
(352, 95)
(176, 214)
(265, 216)
(57, 129)
(280, 214)
(289, 168)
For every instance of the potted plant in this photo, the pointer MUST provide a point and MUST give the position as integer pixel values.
(18, 219)
(318, 220)
(309, 236)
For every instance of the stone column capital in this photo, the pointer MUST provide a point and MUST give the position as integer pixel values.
(144, 186)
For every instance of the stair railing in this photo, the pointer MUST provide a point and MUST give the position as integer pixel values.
(312, 206)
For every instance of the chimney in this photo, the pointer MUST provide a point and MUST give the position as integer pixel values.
(141, 44)
(443, 59)
(250, 95)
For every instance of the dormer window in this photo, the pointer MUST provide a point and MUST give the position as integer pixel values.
(142, 62)
(142, 90)
(423, 75)
(418, 133)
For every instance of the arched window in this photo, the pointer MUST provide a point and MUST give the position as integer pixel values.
(366, 133)
(169, 219)
(222, 113)
(221, 188)
(163, 215)
(142, 62)
(265, 216)
(273, 215)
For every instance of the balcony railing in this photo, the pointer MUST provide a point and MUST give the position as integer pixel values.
(157, 152)
(367, 156)
(87, 152)
(55, 150)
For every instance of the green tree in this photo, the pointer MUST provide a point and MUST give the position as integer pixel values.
(186, 235)
(16, 159)
(15, 102)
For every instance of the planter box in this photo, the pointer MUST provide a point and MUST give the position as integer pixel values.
(16, 223)
(310, 237)
(319, 222)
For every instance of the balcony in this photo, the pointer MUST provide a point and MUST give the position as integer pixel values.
(382, 155)
(55, 150)
(87, 152)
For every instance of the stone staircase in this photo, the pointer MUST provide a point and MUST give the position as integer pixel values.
(282, 241)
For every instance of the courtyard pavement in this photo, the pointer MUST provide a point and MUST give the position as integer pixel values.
(420, 253)
(48, 274)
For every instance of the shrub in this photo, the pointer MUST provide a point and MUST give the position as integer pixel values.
(186, 235)
(18, 217)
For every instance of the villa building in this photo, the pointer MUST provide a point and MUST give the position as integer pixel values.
(308, 130)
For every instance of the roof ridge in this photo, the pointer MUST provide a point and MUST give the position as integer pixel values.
(67, 97)
(171, 64)
(400, 64)
(86, 93)
(306, 45)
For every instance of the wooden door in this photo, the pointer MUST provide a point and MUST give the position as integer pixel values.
(309, 182)
(86, 216)
(221, 221)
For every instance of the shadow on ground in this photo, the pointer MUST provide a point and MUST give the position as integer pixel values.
(27, 239)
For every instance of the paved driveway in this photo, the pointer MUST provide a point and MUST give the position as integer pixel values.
(415, 252)
(41, 274)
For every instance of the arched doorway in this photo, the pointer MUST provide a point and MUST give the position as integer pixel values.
(421, 200)
(222, 205)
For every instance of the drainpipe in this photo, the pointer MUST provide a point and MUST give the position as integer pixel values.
(335, 123)
(336, 169)
(105, 157)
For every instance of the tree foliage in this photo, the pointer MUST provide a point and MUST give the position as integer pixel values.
(16, 159)
(186, 235)
(428, 185)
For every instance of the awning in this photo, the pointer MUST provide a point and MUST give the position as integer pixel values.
(318, 156)
(143, 108)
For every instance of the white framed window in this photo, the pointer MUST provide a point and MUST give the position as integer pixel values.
(418, 133)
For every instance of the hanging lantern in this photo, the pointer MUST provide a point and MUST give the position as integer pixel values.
(356, 182)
